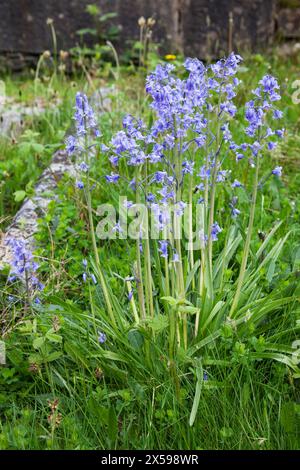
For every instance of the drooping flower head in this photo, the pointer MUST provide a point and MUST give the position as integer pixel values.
(22, 263)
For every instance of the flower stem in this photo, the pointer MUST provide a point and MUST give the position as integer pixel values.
(247, 243)
(96, 254)
(139, 275)
(147, 262)
(191, 245)
(132, 302)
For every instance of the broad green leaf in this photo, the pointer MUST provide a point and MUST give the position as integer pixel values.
(171, 301)
(53, 356)
(135, 339)
(158, 322)
(54, 337)
(188, 309)
(19, 195)
(38, 342)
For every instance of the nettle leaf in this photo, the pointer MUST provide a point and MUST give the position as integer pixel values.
(188, 309)
(27, 327)
(170, 300)
(54, 337)
(174, 302)
(19, 195)
(158, 322)
(53, 356)
(35, 359)
(38, 148)
(38, 342)
(25, 148)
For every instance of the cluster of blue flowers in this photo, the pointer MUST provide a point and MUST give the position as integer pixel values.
(86, 274)
(179, 130)
(181, 143)
(183, 108)
(22, 264)
(260, 135)
(79, 144)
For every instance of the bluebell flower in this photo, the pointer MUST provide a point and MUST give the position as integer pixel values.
(101, 337)
(236, 184)
(132, 184)
(112, 178)
(130, 295)
(22, 263)
(114, 160)
(221, 175)
(159, 177)
(117, 228)
(226, 132)
(194, 65)
(104, 148)
(269, 84)
(280, 132)
(163, 248)
(70, 145)
(150, 197)
(269, 132)
(277, 114)
(79, 184)
(179, 208)
(93, 277)
(84, 167)
(204, 172)
(166, 194)
(203, 237)
(128, 204)
(215, 230)
(235, 212)
(84, 116)
(277, 171)
(187, 167)
(271, 145)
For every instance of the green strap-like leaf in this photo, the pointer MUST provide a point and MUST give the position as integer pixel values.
(199, 373)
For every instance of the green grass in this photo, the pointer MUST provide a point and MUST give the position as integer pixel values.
(121, 395)
(25, 154)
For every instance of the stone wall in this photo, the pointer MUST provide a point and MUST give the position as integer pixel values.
(195, 27)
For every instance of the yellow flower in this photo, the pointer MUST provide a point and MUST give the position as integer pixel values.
(170, 57)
